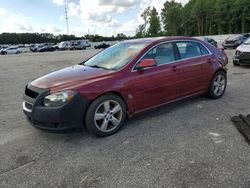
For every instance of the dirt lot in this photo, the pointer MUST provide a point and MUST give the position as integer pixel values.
(191, 143)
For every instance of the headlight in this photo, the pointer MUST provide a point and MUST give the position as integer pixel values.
(237, 41)
(238, 52)
(57, 99)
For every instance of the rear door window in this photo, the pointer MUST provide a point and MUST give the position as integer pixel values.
(189, 49)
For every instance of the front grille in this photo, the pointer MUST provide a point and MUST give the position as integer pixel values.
(245, 55)
(230, 42)
(31, 93)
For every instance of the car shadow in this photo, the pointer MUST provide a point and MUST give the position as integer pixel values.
(163, 110)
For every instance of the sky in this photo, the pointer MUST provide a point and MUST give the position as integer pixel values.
(103, 17)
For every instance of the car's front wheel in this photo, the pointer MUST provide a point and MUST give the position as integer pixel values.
(236, 64)
(106, 115)
(218, 85)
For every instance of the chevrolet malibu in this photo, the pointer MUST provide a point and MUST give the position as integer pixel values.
(123, 80)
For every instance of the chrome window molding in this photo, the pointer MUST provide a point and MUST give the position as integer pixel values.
(165, 42)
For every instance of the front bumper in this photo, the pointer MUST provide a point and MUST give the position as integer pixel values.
(244, 58)
(67, 116)
(230, 45)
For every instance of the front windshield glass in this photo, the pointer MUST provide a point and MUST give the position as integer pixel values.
(247, 42)
(116, 56)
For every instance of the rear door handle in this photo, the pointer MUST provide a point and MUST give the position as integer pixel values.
(209, 60)
(174, 68)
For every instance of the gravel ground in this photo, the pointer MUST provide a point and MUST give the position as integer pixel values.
(191, 143)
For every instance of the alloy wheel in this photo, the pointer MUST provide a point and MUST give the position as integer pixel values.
(219, 84)
(108, 115)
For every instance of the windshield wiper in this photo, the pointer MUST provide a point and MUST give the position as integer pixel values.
(97, 66)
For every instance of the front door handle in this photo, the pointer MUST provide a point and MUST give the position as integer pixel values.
(209, 60)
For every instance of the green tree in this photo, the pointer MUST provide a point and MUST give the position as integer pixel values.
(171, 16)
(146, 19)
(154, 23)
(140, 31)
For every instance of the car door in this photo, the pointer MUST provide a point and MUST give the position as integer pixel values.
(157, 85)
(191, 67)
(10, 51)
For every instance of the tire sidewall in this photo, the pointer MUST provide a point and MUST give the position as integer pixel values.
(89, 118)
(211, 90)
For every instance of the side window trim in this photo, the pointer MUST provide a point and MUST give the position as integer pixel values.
(154, 47)
(199, 44)
(174, 44)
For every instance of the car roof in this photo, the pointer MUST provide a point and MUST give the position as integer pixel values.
(159, 39)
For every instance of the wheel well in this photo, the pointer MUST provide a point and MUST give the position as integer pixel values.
(221, 70)
(114, 93)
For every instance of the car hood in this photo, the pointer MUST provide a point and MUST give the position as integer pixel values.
(70, 76)
(232, 38)
(244, 48)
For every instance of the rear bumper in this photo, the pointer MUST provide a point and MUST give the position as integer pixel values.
(69, 115)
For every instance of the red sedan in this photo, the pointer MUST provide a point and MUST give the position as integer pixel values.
(125, 79)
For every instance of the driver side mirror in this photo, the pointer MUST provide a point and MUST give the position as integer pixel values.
(146, 63)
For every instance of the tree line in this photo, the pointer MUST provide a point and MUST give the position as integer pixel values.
(31, 38)
(196, 18)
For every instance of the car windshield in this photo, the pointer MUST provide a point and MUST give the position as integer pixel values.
(116, 56)
(247, 42)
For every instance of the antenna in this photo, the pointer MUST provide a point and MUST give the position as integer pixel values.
(66, 16)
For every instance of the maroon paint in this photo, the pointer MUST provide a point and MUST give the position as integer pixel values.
(141, 89)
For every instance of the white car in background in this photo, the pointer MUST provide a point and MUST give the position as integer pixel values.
(2, 48)
(11, 50)
(242, 54)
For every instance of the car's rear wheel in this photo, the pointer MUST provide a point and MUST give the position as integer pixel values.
(218, 85)
(106, 115)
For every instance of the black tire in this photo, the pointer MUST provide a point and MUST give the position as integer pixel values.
(211, 93)
(236, 64)
(90, 115)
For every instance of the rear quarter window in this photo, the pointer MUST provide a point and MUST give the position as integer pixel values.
(204, 51)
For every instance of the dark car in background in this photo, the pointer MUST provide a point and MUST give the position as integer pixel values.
(102, 46)
(46, 48)
(42, 47)
(211, 41)
(123, 80)
(234, 41)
